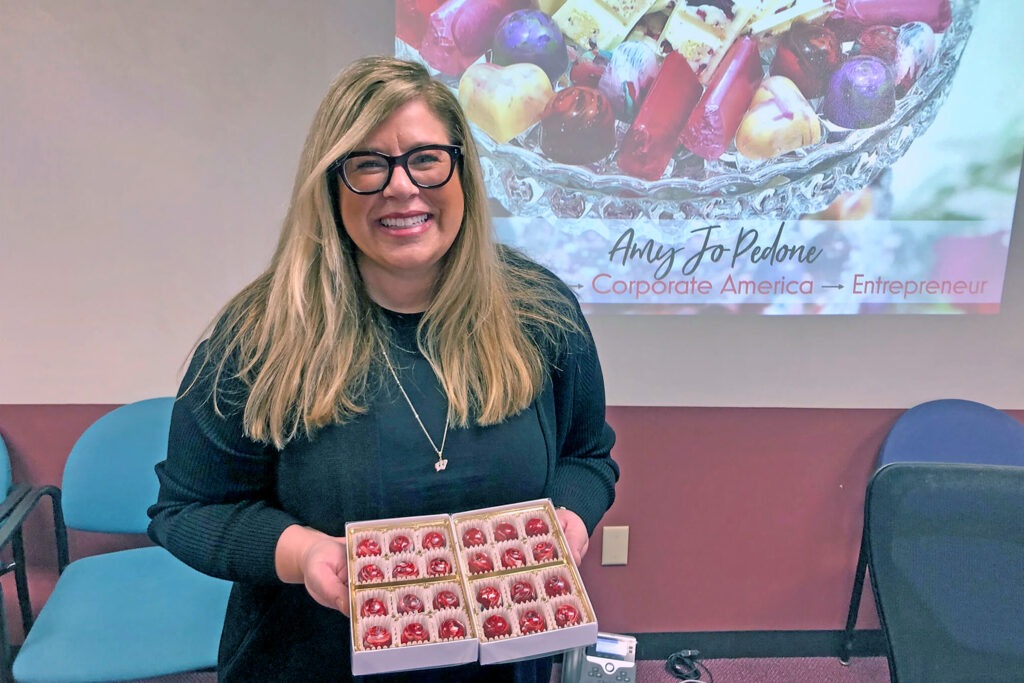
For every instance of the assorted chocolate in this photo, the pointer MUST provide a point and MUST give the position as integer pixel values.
(492, 575)
(638, 85)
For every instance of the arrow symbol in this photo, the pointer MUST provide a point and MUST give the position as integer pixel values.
(831, 286)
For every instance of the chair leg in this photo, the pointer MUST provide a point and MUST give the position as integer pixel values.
(21, 580)
(846, 646)
(6, 676)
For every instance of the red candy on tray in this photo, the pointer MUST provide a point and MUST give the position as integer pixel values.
(505, 532)
(807, 54)
(496, 626)
(712, 124)
(556, 585)
(451, 629)
(566, 615)
(399, 544)
(370, 573)
(578, 126)
(852, 16)
(373, 608)
(459, 32)
(377, 636)
(433, 540)
(488, 597)
(522, 591)
(367, 547)
(439, 567)
(544, 552)
(531, 622)
(472, 537)
(535, 526)
(405, 570)
(653, 137)
(479, 563)
(513, 557)
(414, 633)
(409, 604)
(445, 599)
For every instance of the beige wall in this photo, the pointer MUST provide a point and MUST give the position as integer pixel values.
(146, 157)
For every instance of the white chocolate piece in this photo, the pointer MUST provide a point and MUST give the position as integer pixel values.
(779, 120)
(778, 16)
(504, 101)
(601, 23)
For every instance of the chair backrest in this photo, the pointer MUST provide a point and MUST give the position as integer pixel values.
(954, 430)
(109, 478)
(946, 555)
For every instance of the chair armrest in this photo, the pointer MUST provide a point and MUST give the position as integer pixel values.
(16, 508)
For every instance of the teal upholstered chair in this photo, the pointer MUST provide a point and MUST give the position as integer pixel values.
(16, 501)
(127, 614)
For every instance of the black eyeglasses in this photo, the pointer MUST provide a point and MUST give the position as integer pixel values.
(428, 166)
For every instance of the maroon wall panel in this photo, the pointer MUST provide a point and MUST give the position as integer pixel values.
(740, 518)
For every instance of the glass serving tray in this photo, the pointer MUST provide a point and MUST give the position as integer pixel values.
(526, 183)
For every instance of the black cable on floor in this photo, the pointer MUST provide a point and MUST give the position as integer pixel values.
(684, 665)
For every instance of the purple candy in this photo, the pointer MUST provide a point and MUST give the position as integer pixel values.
(861, 93)
(531, 36)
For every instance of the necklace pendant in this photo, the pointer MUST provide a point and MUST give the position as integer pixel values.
(440, 464)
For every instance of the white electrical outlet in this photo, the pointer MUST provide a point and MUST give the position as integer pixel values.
(615, 545)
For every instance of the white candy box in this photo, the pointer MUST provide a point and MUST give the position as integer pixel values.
(490, 585)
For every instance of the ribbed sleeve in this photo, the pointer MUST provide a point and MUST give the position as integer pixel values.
(215, 509)
(585, 474)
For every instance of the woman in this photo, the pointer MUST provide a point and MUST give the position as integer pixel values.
(391, 361)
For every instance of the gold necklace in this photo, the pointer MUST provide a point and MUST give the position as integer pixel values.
(441, 461)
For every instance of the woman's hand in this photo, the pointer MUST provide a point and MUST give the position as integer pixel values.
(575, 533)
(317, 561)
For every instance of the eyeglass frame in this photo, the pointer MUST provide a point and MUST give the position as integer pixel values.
(337, 168)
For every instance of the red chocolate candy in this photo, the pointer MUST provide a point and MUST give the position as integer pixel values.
(399, 544)
(578, 126)
(445, 599)
(370, 572)
(496, 626)
(712, 124)
(405, 570)
(544, 551)
(532, 622)
(555, 586)
(480, 562)
(367, 547)
(451, 628)
(513, 557)
(410, 603)
(439, 567)
(522, 591)
(488, 597)
(566, 615)
(505, 532)
(472, 537)
(373, 608)
(807, 54)
(433, 539)
(414, 633)
(535, 526)
(377, 636)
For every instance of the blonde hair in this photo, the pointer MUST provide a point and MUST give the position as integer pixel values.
(304, 337)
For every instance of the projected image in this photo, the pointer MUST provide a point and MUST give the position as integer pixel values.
(748, 156)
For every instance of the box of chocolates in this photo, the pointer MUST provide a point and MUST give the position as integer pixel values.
(494, 585)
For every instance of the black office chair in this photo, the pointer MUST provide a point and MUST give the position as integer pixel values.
(944, 430)
(946, 552)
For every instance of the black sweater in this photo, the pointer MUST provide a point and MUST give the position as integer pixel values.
(225, 499)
